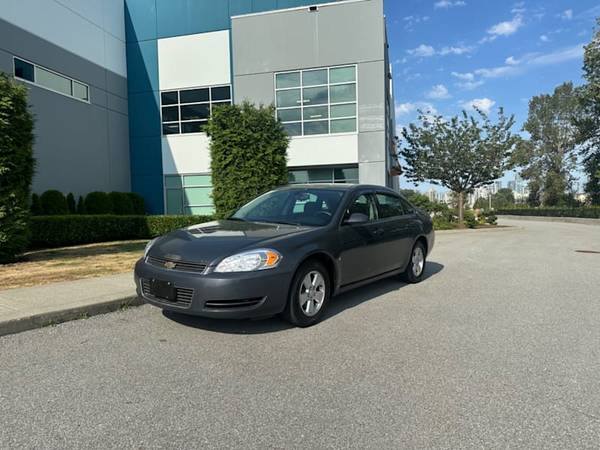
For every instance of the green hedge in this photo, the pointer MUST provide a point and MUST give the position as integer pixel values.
(59, 231)
(589, 213)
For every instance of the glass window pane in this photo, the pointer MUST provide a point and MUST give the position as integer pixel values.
(315, 96)
(169, 98)
(198, 196)
(52, 81)
(318, 127)
(170, 128)
(320, 176)
(348, 110)
(193, 95)
(343, 126)
(80, 91)
(287, 80)
(343, 93)
(293, 129)
(191, 112)
(316, 112)
(218, 104)
(288, 98)
(170, 114)
(297, 176)
(174, 201)
(193, 127)
(347, 175)
(24, 70)
(361, 205)
(289, 115)
(342, 74)
(200, 210)
(173, 181)
(197, 180)
(389, 206)
(314, 77)
(220, 93)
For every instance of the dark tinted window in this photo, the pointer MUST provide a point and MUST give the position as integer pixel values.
(362, 205)
(220, 93)
(193, 127)
(192, 112)
(193, 95)
(169, 98)
(408, 208)
(24, 70)
(389, 206)
(170, 114)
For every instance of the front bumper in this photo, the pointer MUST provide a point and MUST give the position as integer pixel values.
(218, 295)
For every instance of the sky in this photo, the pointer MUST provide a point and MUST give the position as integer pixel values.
(450, 55)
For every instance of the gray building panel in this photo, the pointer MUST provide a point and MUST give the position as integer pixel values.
(256, 88)
(371, 96)
(80, 147)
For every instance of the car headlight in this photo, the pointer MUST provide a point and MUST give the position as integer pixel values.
(149, 246)
(260, 259)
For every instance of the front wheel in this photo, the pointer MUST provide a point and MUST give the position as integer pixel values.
(309, 294)
(416, 265)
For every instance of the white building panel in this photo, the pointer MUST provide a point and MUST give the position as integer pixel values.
(323, 150)
(76, 26)
(183, 154)
(194, 60)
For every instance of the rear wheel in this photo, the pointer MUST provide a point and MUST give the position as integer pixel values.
(416, 265)
(309, 295)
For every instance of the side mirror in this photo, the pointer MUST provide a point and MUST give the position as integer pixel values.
(356, 218)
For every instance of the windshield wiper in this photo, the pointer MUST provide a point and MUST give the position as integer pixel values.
(284, 222)
(237, 219)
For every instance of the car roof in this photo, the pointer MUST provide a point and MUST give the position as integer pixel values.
(337, 186)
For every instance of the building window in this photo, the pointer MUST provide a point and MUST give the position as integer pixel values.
(324, 175)
(187, 110)
(48, 79)
(317, 101)
(189, 194)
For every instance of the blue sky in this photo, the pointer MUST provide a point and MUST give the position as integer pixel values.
(448, 55)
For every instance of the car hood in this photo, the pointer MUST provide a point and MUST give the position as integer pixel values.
(210, 241)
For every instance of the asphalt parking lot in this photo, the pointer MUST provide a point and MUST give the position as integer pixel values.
(498, 348)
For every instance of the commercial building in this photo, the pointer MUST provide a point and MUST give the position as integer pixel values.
(122, 90)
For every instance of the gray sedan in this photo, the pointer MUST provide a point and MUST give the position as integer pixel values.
(287, 252)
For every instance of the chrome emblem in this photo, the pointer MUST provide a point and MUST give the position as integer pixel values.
(170, 265)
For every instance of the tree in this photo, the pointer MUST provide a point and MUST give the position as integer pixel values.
(80, 205)
(588, 119)
(71, 203)
(548, 158)
(54, 203)
(504, 198)
(248, 151)
(462, 153)
(36, 205)
(16, 168)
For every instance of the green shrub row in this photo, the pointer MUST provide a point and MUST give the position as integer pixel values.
(59, 231)
(54, 203)
(588, 212)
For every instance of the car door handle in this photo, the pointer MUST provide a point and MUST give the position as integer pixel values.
(378, 231)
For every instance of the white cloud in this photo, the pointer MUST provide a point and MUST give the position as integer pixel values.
(567, 14)
(407, 108)
(445, 4)
(511, 61)
(439, 91)
(455, 50)
(422, 50)
(506, 28)
(464, 76)
(484, 105)
(467, 81)
(544, 38)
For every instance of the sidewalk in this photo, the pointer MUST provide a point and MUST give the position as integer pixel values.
(23, 309)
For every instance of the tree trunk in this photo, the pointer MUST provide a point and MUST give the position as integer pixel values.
(461, 209)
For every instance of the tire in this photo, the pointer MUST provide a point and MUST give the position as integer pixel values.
(306, 304)
(416, 264)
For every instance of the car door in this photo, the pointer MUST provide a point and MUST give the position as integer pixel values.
(397, 230)
(358, 259)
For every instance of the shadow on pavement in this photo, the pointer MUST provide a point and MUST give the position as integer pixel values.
(273, 324)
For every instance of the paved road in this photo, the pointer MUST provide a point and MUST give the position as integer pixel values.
(498, 348)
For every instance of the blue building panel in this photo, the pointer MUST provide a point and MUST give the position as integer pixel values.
(140, 20)
(144, 114)
(142, 66)
(151, 188)
(239, 7)
(182, 17)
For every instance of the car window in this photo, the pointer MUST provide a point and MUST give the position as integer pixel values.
(407, 207)
(389, 206)
(362, 205)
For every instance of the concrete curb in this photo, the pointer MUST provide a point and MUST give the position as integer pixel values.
(482, 230)
(578, 220)
(64, 315)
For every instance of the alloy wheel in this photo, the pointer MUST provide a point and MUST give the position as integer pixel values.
(418, 261)
(312, 293)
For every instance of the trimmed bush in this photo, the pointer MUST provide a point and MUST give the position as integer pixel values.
(71, 203)
(585, 213)
(54, 203)
(16, 167)
(248, 148)
(59, 231)
(80, 205)
(98, 203)
(121, 203)
(470, 219)
(138, 204)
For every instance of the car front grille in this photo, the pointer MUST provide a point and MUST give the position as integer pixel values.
(183, 295)
(233, 304)
(176, 265)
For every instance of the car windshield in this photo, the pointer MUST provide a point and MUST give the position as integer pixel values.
(310, 207)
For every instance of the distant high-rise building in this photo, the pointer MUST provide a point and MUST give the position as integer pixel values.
(432, 195)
